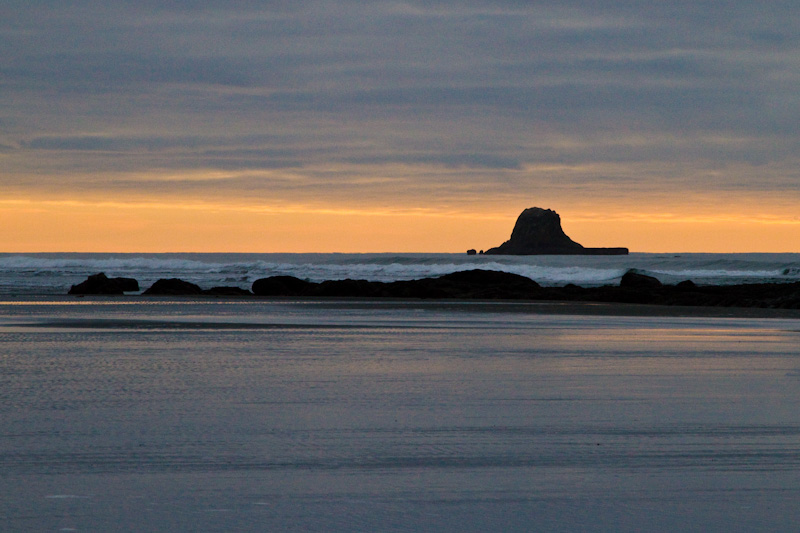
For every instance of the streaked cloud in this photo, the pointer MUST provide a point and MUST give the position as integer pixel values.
(427, 104)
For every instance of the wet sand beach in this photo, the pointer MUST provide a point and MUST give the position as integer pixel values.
(322, 415)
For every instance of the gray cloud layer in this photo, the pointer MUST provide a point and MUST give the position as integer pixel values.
(696, 94)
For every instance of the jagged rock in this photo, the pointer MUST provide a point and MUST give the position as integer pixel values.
(538, 232)
(472, 251)
(173, 287)
(101, 284)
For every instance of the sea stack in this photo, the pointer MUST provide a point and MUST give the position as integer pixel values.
(538, 232)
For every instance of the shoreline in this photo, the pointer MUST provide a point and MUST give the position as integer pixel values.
(536, 307)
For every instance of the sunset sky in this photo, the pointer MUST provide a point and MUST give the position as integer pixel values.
(402, 126)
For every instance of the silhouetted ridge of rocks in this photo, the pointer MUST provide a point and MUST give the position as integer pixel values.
(538, 232)
(634, 287)
(478, 284)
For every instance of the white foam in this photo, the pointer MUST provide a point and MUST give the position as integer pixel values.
(719, 273)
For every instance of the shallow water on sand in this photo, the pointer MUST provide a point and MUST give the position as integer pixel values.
(119, 414)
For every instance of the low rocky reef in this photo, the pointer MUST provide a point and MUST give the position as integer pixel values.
(634, 288)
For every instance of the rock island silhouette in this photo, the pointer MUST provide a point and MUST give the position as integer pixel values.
(538, 232)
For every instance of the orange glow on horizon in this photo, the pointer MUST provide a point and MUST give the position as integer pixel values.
(110, 226)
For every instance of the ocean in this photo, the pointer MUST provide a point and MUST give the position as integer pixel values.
(50, 274)
(213, 414)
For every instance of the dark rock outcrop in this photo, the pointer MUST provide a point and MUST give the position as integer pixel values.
(173, 287)
(635, 280)
(101, 284)
(480, 284)
(538, 232)
(281, 286)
